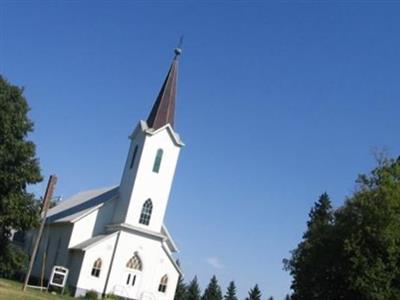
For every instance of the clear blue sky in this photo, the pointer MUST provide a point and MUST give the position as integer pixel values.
(277, 103)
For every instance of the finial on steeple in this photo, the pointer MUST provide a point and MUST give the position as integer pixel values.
(178, 49)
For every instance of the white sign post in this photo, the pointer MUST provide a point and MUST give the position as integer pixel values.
(58, 277)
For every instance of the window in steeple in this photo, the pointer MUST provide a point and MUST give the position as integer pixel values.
(133, 157)
(157, 161)
(146, 212)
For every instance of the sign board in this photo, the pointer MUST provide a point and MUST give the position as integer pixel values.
(59, 276)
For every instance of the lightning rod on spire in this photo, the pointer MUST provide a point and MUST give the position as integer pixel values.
(178, 49)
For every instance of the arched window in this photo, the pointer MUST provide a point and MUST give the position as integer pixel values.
(96, 268)
(163, 284)
(134, 263)
(146, 212)
(157, 161)
(133, 157)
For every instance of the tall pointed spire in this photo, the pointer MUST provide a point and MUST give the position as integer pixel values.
(163, 111)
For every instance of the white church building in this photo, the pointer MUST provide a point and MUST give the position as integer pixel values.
(114, 240)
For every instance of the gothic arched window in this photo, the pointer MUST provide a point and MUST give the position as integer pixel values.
(133, 157)
(96, 268)
(157, 161)
(146, 212)
(134, 263)
(163, 284)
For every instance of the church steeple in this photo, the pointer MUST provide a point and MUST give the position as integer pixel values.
(163, 111)
(151, 162)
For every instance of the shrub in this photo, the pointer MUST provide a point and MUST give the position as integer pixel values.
(69, 291)
(92, 295)
(13, 261)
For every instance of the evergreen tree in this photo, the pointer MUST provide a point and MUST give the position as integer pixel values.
(213, 290)
(19, 168)
(193, 290)
(231, 292)
(310, 260)
(254, 293)
(271, 298)
(180, 292)
(287, 297)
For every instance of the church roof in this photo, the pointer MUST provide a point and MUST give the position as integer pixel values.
(80, 204)
(74, 217)
(170, 241)
(92, 241)
(163, 111)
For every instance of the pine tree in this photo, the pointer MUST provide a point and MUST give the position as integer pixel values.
(320, 215)
(231, 292)
(271, 298)
(287, 297)
(309, 262)
(180, 292)
(19, 168)
(213, 290)
(254, 293)
(193, 290)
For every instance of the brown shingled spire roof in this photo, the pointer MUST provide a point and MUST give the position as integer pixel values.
(163, 110)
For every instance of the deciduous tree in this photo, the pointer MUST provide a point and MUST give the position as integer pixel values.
(19, 168)
(355, 254)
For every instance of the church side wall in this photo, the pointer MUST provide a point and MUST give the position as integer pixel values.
(155, 264)
(54, 241)
(74, 266)
(104, 217)
(83, 229)
(86, 280)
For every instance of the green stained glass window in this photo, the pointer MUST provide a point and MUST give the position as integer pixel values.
(157, 161)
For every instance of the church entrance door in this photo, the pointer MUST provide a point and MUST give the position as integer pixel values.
(132, 282)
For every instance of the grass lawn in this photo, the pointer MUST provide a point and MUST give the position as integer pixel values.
(11, 290)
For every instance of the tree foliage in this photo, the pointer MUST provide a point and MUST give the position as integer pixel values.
(19, 168)
(354, 252)
(14, 259)
(193, 290)
(231, 292)
(254, 293)
(213, 290)
(180, 292)
(309, 260)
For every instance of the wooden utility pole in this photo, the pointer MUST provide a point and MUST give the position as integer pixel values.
(43, 269)
(46, 203)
